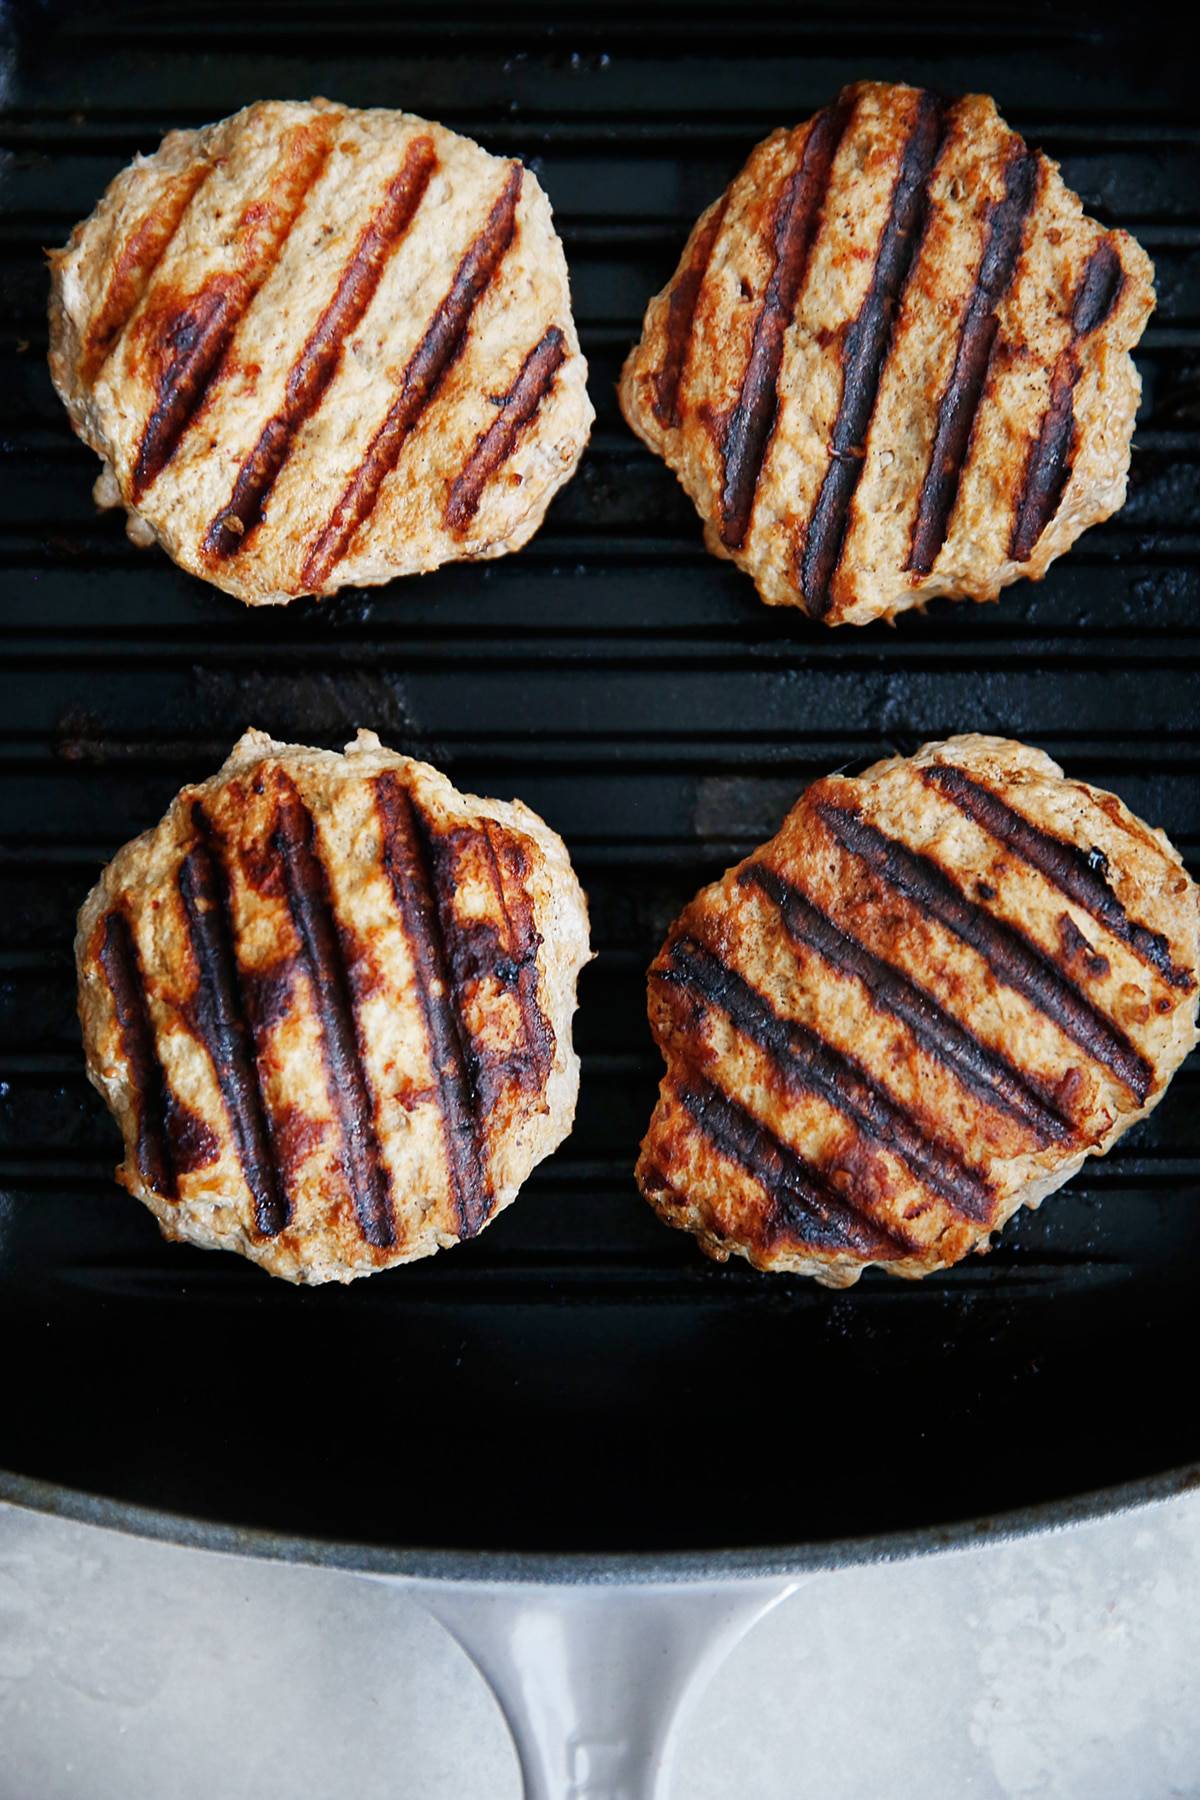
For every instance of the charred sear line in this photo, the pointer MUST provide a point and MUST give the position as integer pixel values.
(122, 970)
(441, 345)
(191, 345)
(193, 1145)
(192, 340)
(806, 1061)
(1077, 953)
(517, 409)
(652, 1180)
(964, 391)
(984, 1072)
(472, 951)
(479, 950)
(514, 963)
(1099, 290)
(408, 862)
(804, 1207)
(1012, 957)
(681, 317)
(319, 361)
(748, 431)
(868, 343)
(311, 906)
(141, 254)
(1071, 870)
(218, 1018)
(1048, 465)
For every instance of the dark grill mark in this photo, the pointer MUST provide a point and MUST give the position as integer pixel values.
(142, 252)
(217, 1016)
(1078, 954)
(318, 362)
(964, 391)
(1098, 291)
(311, 906)
(514, 963)
(193, 1145)
(442, 343)
(190, 341)
(984, 1072)
(652, 1179)
(866, 350)
(681, 316)
(806, 1061)
(193, 339)
(1012, 957)
(1048, 467)
(122, 970)
(750, 424)
(479, 950)
(518, 408)
(1071, 870)
(408, 861)
(803, 1205)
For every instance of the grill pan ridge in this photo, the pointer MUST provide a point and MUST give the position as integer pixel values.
(580, 1380)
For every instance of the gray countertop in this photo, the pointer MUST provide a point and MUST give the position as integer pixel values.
(1064, 1667)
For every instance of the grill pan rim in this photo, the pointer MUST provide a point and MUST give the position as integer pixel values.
(588, 1568)
(583, 1568)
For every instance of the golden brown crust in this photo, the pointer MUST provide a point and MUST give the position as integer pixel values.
(893, 362)
(921, 1005)
(316, 346)
(329, 1000)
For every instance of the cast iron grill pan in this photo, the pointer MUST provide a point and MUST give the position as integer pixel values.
(580, 1377)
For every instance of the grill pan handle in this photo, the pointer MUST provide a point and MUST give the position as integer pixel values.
(593, 1679)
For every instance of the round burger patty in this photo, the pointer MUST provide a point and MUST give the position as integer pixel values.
(939, 988)
(329, 1001)
(316, 346)
(893, 362)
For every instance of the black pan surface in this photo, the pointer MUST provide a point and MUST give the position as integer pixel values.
(579, 1378)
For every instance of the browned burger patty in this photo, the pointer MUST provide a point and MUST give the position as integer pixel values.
(893, 360)
(316, 346)
(329, 1001)
(939, 988)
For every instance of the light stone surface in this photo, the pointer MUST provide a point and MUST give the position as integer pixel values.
(1059, 1668)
